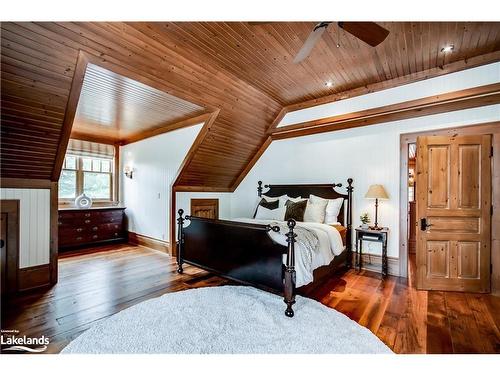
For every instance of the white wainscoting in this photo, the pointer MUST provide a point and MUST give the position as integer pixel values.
(34, 224)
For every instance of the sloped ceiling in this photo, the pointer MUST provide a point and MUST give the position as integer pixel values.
(119, 108)
(242, 70)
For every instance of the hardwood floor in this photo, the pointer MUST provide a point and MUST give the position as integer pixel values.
(98, 283)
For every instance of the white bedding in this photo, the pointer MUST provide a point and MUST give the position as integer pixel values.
(330, 245)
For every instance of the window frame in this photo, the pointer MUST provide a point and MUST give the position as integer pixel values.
(80, 179)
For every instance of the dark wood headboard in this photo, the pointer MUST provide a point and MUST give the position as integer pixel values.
(326, 191)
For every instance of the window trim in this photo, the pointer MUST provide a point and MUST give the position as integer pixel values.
(113, 191)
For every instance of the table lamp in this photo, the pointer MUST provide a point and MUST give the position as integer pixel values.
(376, 192)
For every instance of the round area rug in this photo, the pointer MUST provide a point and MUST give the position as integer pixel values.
(226, 319)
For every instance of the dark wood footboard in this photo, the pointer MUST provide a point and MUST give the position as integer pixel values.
(239, 251)
(245, 252)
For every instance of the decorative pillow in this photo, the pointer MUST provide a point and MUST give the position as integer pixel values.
(271, 199)
(315, 212)
(267, 214)
(332, 208)
(295, 210)
(269, 205)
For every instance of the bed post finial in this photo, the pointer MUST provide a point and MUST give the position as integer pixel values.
(350, 188)
(289, 288)
(259, 188)
(180, 241)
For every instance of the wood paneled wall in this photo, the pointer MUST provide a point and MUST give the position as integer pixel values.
(34, 224)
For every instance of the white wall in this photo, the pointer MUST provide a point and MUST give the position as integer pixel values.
(369, 155)
(156, 161)
(34, 224)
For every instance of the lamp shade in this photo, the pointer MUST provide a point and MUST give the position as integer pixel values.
(376, 192)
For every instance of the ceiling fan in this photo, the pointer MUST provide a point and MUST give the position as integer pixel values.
(369, 32)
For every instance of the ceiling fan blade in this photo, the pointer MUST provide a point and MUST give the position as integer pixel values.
(369, 32)
(310, 42)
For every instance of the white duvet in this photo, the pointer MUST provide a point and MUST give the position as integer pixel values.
(329, 245)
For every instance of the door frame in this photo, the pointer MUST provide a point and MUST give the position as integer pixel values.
(407, 138)
(11, 208)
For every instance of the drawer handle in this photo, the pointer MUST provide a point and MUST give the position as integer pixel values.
(94, 228)
(87, 214)
(87, 221)
(59, 222)
(111, 220)
(79, 230)
(95, 236)
(78, 238)
(116, 234)
(116, 226)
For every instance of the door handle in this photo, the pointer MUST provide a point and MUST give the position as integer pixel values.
(423, 224)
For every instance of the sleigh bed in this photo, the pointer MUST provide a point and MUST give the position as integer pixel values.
(246, 252)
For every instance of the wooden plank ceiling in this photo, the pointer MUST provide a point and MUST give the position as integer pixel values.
(118, 108)
(243, 70)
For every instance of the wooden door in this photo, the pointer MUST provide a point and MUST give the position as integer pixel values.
(207, 208)
(3, 249)
(454, 213)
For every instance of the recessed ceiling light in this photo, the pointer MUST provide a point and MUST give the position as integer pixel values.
(328, 83)
(448, 48)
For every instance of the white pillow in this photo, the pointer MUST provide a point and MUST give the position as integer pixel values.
(267, 214)
(332, 208)
(315, 212)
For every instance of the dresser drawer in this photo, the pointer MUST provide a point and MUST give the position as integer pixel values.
(81, 227)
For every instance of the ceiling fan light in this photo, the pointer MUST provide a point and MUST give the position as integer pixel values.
(448, 48)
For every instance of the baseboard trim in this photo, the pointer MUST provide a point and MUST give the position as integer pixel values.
(140, 239)
(373, 262)
(33, 277)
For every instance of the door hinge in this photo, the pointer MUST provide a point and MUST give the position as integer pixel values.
(491, 152)
(491, 210)
(491, 268)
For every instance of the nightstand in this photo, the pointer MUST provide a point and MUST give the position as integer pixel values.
(373, 236)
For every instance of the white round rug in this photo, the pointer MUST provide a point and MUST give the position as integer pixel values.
(226, 319)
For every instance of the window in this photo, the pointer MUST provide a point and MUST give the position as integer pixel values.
(86, 173)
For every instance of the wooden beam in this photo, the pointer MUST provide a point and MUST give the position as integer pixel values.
(69, 116)
(252, 162)
(93, 138)
(54, 232)
(166, 128)
(196, 144)
(399, 81)
(25, 183)
(186, 188)
(457, 100)
(185, 163)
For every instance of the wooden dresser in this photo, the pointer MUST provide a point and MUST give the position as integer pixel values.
(82, 227)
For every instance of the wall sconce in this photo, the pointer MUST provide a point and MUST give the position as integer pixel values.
(129, 171)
